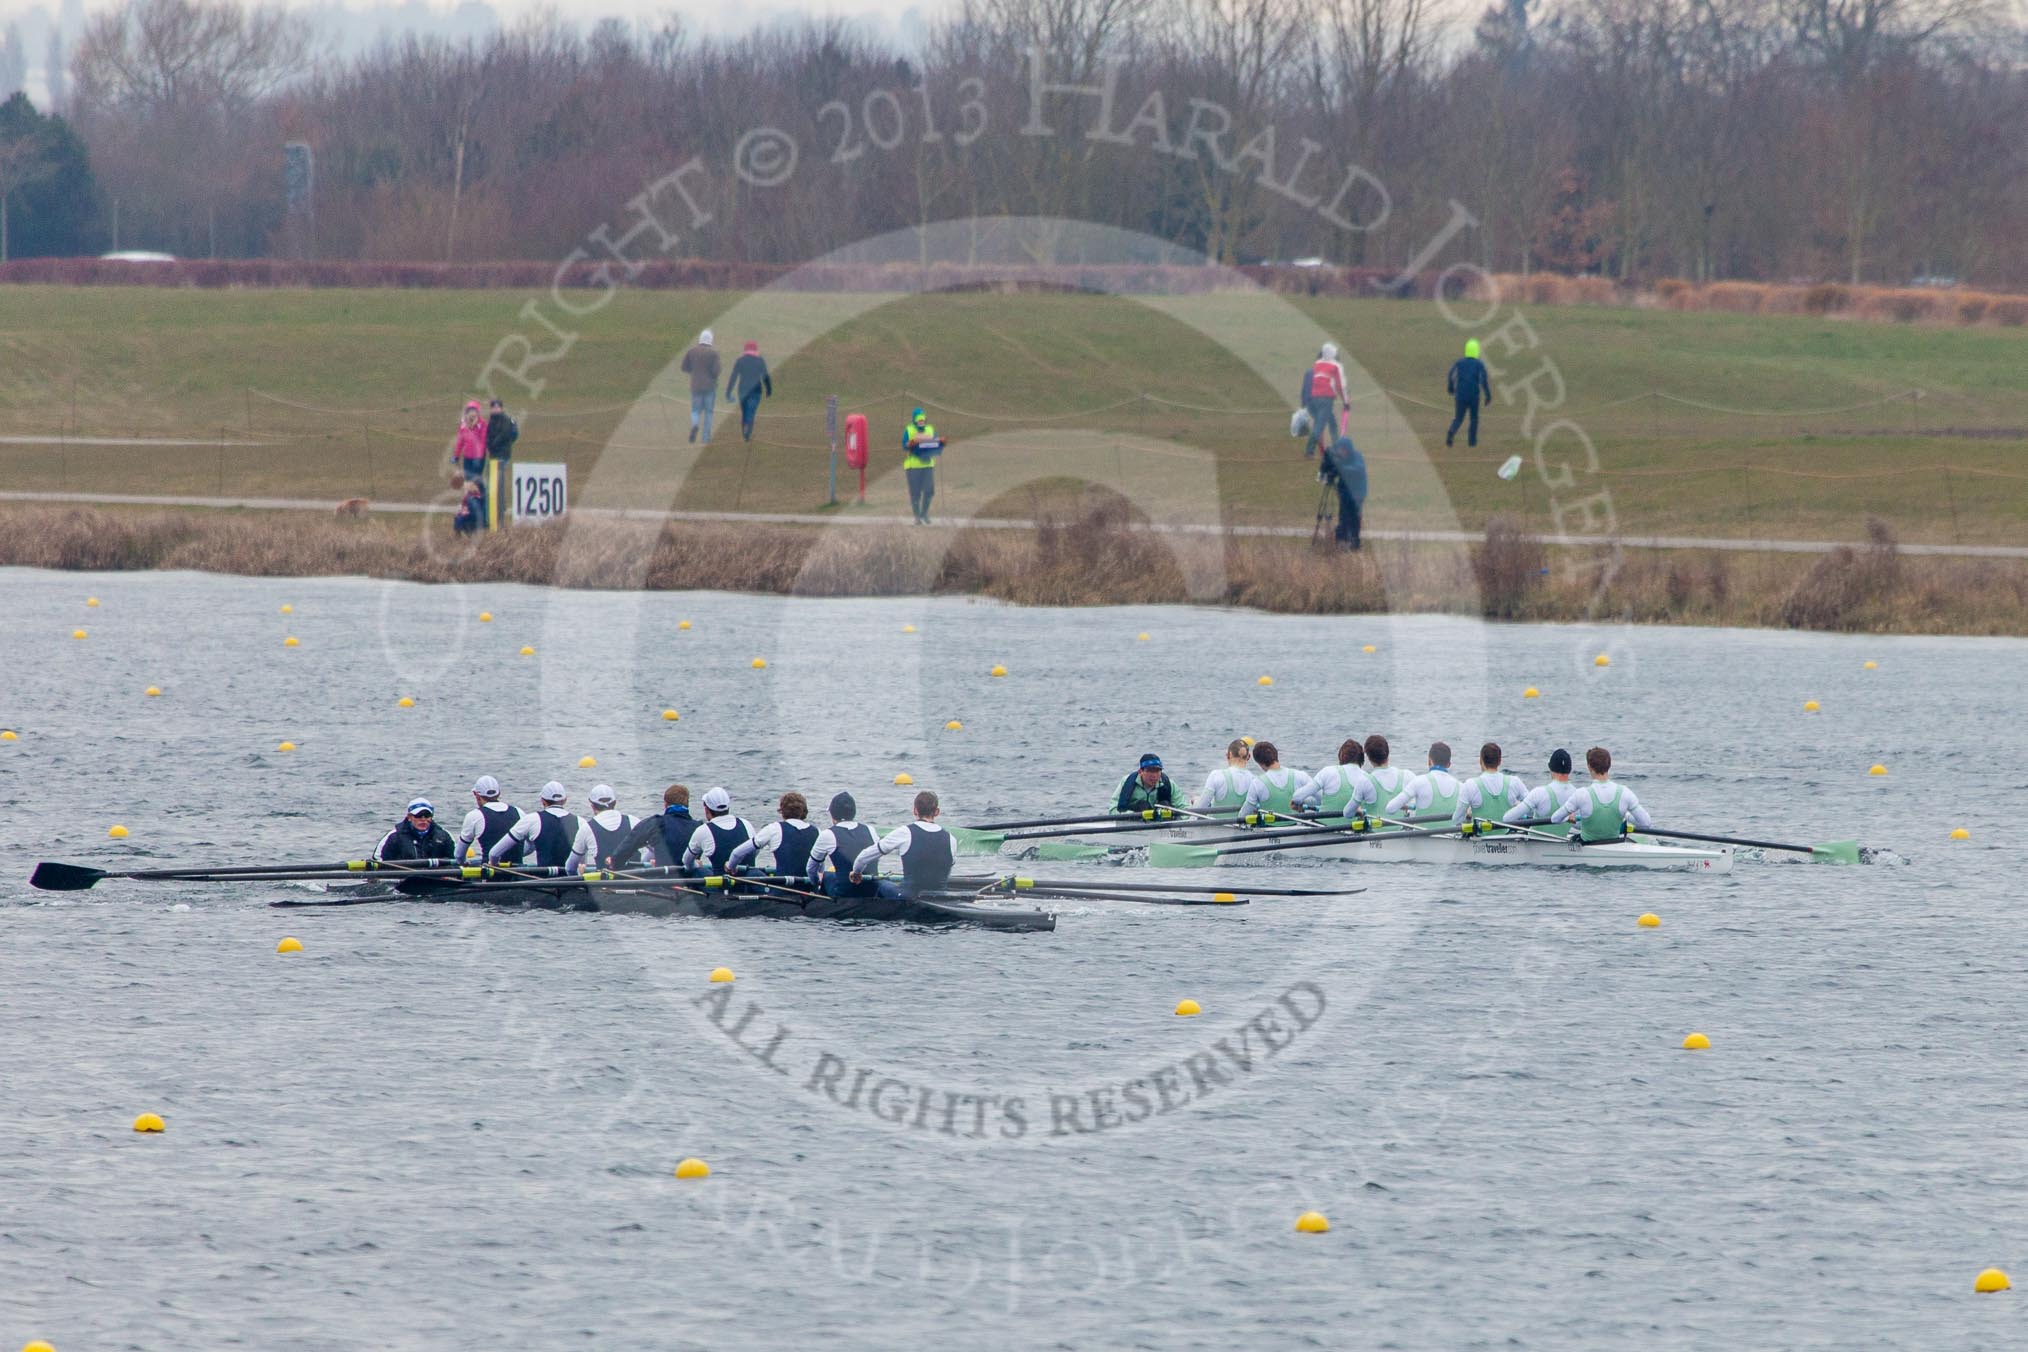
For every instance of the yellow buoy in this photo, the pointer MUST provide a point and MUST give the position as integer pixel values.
(77, 633)
(527, 651)
(290, 642)
(485, 617)
(9, 735)
(1312, 1223)
(1141, 637)
(1959, 833)
(92, 601)
(286, 746)
(116, 831)
(759, 663)
(1697, 1042)
(288, 609)
(954, 726)
(721, 974)
(670, 716)
(406, 702)
(1601, 661)
(998, 670)
(1265, 680)
(904, 778)
(1648, 920)
(290, 944)
(1531, 693)
(683, 624)
(1872, 666)
(587, 762)
(908, 629)
(693, 1168)
(1877, 770)
(152, 691)
(1809, 706)
(1223, 898)
(148, 1122)
(1186, 1008)
(36, 1345)
(1989, 1281)
(1247, 740)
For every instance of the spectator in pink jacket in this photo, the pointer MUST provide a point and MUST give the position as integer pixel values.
(469, 450)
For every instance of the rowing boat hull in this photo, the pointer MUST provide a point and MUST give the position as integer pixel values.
(667, 901)
(1537, 851)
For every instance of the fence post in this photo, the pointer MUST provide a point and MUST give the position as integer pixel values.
(1746, 492)
(1950, 496)
(831, 432)
(366, 440)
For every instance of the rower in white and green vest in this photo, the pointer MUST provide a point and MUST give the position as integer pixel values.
(1432, 793)
(1345, 790)
(1276, 789)
(1225, 788)
(1544, 799)
(1388, 781)
(1602, 810)
(1490, 794)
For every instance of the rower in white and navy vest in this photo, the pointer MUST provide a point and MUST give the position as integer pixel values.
(416, 838)
(1146, 788)
(790, 839)
(1432, 793)
(711, 847)
(540, 838)
(924, 848)
(1225, 788)
(837, 845)
(1388, 780)
(487, 823)
(602, 837)
(1490, 794)
(1544, 800)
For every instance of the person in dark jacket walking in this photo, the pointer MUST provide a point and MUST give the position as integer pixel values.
(1345, 469)
(700, 363)
(1470, 386)
(501, 434)
(751, 380)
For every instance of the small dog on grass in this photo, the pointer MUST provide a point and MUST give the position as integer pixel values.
(354, 507)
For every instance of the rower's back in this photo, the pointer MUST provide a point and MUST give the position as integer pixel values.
(926, 863)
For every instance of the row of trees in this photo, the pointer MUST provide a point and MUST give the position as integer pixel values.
(1870, 140)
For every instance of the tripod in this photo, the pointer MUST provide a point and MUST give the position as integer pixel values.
(1327, 508)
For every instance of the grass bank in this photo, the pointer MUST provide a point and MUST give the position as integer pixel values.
(1097, 558)
(1705, 424)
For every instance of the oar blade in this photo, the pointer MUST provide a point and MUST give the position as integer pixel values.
(1835, 852)
(1064, 851)
(968, 841)
(53, 877)
(1169, 854)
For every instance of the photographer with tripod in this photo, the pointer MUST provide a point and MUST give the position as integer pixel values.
(1343, 469)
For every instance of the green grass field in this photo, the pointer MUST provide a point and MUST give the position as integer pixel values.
(355, 393)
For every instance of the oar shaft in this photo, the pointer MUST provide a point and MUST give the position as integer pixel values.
(1726, 840)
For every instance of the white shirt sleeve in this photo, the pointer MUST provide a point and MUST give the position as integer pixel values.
(1207, 795)
(1469, 798)
(581, 849)
(468, 834)
(1571, 806)
(1412, 798)
(1631, 809)
(895, 842)
(820, 854)
(766, 839)
(527, 829)
(1306, 793)
(694, 852)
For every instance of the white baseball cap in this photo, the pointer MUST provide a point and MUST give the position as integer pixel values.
(420, 805)
(486, 786)
(717, 800)
(552, 792)
(603, 795)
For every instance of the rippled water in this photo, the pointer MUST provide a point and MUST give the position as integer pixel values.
(440, 1127)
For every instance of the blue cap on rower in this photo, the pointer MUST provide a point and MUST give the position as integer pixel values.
(843, 808)
(486, 787)
(1559, 762)
(552, 792)
(717, 800)
(602, 795)
(1151, 761)
(420, 807)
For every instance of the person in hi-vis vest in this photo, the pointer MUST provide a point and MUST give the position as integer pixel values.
(919, 463)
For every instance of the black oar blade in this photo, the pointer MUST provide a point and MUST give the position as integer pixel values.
(51, 877)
